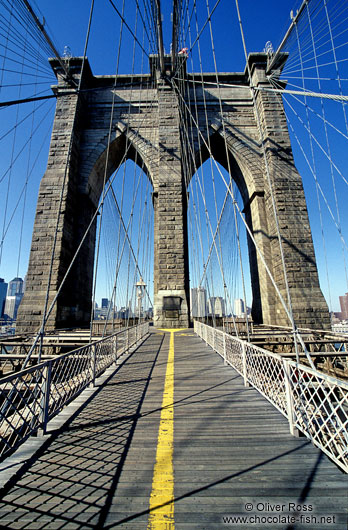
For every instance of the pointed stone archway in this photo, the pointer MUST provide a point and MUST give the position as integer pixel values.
(146, 126)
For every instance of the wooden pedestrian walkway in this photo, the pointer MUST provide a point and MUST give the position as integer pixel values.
(221, 451)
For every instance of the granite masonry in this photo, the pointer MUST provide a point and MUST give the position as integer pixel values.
(147, 115)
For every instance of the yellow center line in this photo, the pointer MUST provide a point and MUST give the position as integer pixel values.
(162, 495)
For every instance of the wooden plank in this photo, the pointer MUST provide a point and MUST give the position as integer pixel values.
(230, 447)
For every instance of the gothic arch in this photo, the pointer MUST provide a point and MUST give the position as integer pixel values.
(147, 115)
(218, 151)
(244, 165)
(123, 147)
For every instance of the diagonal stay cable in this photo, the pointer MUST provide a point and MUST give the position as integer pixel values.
(51, 307)
(269, 273)
(127, 26)
(317, 182)
(201, 31)
(61, 198)
(127, 236)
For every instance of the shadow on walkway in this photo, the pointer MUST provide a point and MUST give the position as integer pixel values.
(70, 483)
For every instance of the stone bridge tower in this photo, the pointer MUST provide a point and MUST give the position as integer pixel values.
(146, 127)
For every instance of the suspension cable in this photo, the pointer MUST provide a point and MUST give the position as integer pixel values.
(61, 198)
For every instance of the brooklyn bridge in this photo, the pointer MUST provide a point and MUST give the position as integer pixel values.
(199, 187)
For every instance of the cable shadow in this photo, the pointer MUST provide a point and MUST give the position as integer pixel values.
(207, 486)
(70, 483)
(307, 487)
(175, 404)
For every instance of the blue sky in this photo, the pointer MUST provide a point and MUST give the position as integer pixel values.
(262, 21)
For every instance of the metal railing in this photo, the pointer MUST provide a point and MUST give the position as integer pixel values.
(314, 403)
(31, 397)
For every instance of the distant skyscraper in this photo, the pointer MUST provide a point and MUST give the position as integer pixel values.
(211, 305)
(15, 286)
(198, 302)
(13, 298)
(12, 305)
(216, 306)
(219, 307)
(239, 307)
(106, 310)
(3, 292)
(344, 306)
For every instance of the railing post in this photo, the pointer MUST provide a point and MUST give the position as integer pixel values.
(119, 343)
(94, 364)
(214, 334)
(136, 335)
(225, 359)
(245, 367)
(115, 346)
(289, 398)
(45, 401)
(127, 340)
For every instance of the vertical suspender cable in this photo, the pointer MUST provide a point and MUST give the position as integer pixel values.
(311, 144)
(160, 35)
(44, 317)
(294, 328)
(229, 170)
(106, 169)
(26, 183)
(174, 33)
(12, 155)
(345, 121)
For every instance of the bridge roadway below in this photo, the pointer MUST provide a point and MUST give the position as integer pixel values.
(231, 451)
